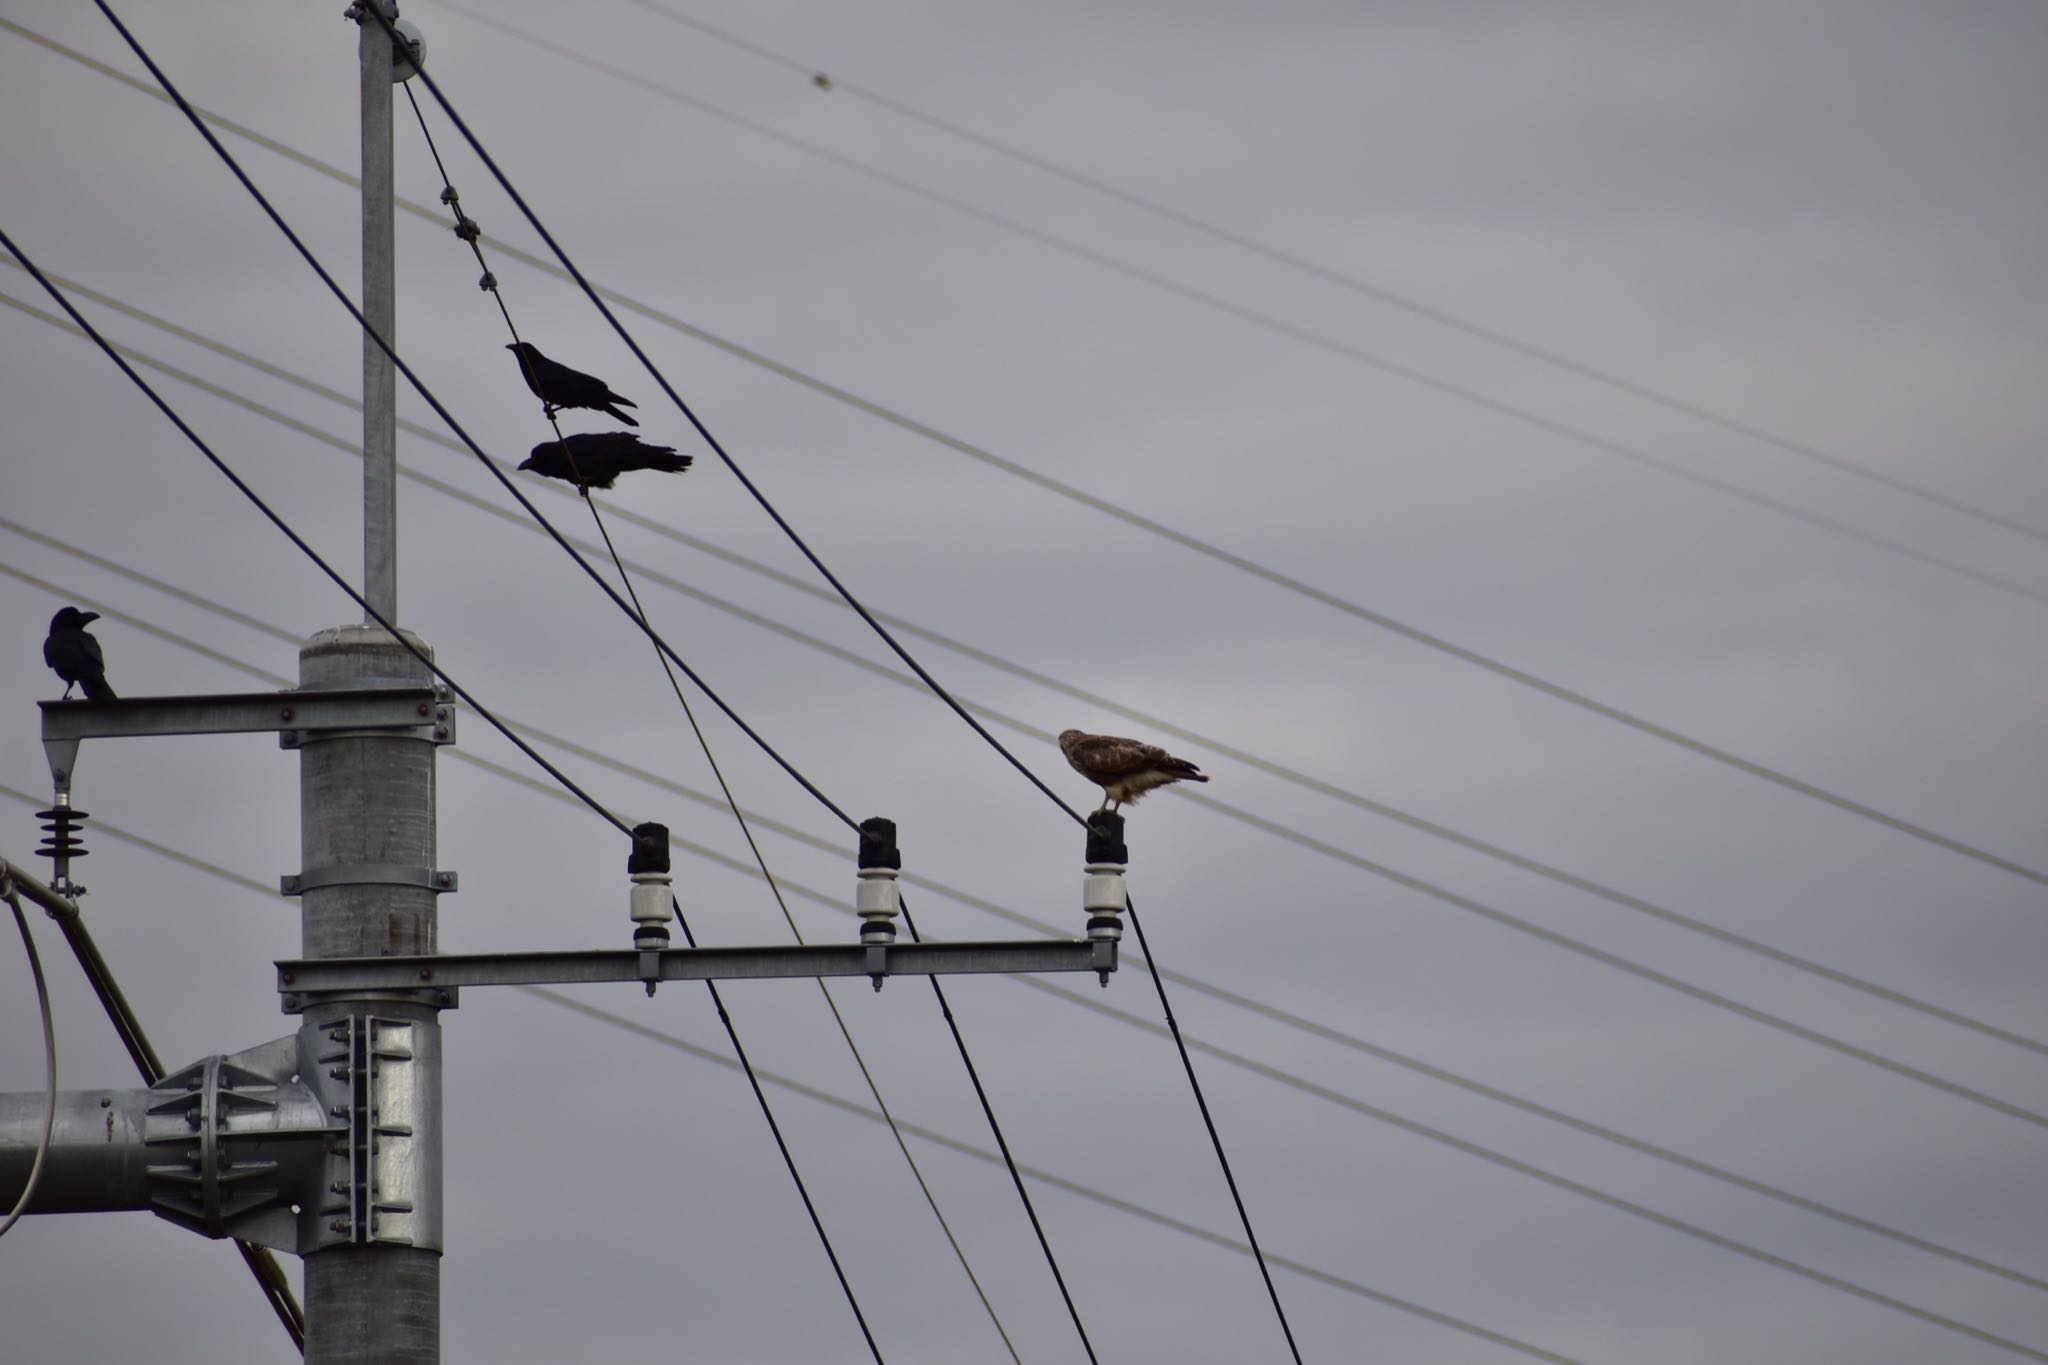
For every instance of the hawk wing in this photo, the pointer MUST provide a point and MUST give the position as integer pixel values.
(1105, 758)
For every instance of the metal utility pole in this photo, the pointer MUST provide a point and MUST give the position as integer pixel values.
(367, 841)
(380, 311)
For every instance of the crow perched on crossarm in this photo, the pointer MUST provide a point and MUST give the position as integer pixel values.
(558, 386)
(76, 655)
(592, 459)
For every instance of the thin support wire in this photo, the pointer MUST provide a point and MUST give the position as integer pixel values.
(788, 1159)
(1003, 1145)
(1117, 511)
(1295, 777)
(467, 230)
(440, 410)
(296, 539)
(433, 88)
(1325, 273)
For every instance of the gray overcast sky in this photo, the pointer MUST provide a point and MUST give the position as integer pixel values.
(1823, 221)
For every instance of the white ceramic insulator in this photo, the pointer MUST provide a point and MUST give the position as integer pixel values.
(651, 898)
(1102, 892)
(875, 893)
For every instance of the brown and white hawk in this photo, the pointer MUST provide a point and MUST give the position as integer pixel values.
(1125, 769)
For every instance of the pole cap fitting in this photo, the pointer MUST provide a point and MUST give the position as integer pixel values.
(650, 849)
(878, 843)
(1106, 838)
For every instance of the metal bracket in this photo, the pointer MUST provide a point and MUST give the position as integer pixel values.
(381, 1078)
(366, 874)
(307, 714)
(233, 1145)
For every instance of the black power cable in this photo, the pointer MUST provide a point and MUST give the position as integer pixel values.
(467, 230)
(1422, 378)
(1358, 1106)
(1242, 816)
(1276, 1074)
(296, 539)
(1127, 515)
(446, 416)
(419, 654)
(441, 410)
(1187, 1062)
(1291, 775)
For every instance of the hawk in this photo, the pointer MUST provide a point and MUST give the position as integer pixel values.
(593, 459)
(558, 386)
(1125, 769)
(76, 655)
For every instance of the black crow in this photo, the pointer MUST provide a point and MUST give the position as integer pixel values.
(76, 655)
(558, 386)
(593, 459)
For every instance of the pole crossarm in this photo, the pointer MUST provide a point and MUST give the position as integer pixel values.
(361, 708)
(300, 983)
(428, 712)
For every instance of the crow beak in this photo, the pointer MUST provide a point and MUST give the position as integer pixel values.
(85, 616)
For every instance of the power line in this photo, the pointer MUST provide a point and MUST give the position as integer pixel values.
(412, 648)
(1276, 1074)
(1133, 518)
(374, 12)
(1265, 765)
(1450, 388)
(533, 220)
(113, 353)
(1287, 833)
(1325, 273)
(1291, 835)
(1432, 1134)
(827, 1097)
(469, 233)
(440, 410)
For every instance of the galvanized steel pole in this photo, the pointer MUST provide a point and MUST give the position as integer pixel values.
(366, 805)
(380, 311)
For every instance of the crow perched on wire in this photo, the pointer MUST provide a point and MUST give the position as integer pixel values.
(592, 459)
(76, 655)
(558, 386)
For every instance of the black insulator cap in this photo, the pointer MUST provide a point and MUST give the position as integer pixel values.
(878, 843)
(1106, 838)
(650, 849)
